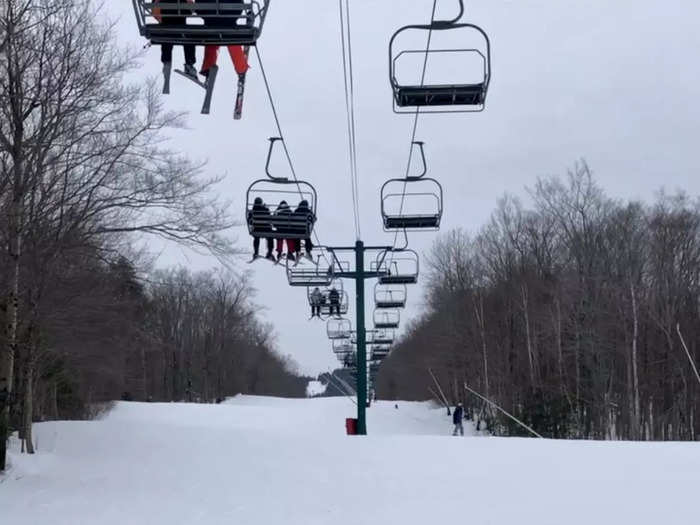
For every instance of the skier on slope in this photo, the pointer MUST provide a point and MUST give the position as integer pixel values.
(173, 17)
(260, 213)
(284, 213)
(211, 52)
(457, 417)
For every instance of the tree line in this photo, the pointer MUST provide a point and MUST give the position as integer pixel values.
(579, 315)
(85, 172)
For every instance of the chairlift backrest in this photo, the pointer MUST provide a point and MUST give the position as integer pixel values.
(205, 22)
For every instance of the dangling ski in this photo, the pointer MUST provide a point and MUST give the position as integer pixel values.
(209, 86)
(201, 84)
(166, 78)
(238, 110)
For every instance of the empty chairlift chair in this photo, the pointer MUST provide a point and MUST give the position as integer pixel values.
(380, 352)
(338, 329)
(452, 85)
(383, 338)
(390, 296)
(413, 203)
(280, 208)
(397, 267)
(317, 274)
(387, 319)
(228, 22)
(346, 354)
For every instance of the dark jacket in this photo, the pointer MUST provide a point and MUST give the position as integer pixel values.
(334, 297)
(257, 213)
(304, 218)
(458, 415)
(217, 20)
(284, 212)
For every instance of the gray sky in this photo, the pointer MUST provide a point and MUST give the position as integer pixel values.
(615, 82)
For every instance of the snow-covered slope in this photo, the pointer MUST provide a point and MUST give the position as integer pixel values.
(273, 461)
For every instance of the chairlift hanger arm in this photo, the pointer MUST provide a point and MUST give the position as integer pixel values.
(420, 145)
(457, 18)
(272, 140)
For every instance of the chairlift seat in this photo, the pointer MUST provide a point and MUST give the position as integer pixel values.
(243, 35)
(410, 222)
(390, 303)
(398, 279)
(445, 95)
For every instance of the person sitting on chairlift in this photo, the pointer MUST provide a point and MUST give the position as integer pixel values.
(334, 299)
(211, 52)
(303, 210)
(316, 299)
(285, 212)
(260, 212)
(169, 17)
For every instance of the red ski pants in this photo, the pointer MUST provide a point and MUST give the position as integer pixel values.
(291, 245)
(211, 55)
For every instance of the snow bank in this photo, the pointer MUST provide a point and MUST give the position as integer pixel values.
(269, 461)
(315, 388)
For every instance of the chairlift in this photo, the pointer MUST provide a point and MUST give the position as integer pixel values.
(342, 345)
(380, 352)
(343, 301)
(440, 97)
(338, 328)
(348, 360)
(369, 337)
(387, 319)
(223, 23)
(397, 267)
(413, 203)
(390, 296)
(280, 208)
(383, 337)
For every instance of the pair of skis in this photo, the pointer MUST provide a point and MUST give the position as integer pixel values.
(208, 86)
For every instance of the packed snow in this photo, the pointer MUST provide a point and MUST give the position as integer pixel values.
(268, 461)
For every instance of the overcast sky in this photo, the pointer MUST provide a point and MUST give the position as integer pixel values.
(616, 82)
